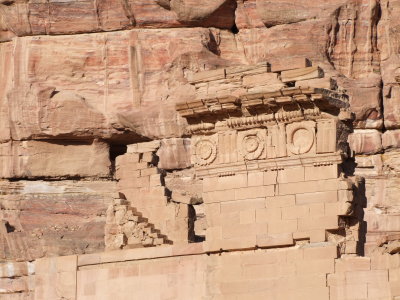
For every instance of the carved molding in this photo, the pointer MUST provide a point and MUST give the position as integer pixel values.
(300, 137)
(250, 121)
(202, 127)
(251, 143)
(205, 151)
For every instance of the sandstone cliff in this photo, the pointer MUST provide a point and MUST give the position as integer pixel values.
(81, 80)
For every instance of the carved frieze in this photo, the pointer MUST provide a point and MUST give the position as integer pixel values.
(205, 151)
(251, 144)
(300, 137)
(273, 142)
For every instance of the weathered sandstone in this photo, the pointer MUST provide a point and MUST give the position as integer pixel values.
(177, 149)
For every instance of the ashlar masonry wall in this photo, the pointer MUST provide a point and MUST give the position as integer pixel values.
(310, 271)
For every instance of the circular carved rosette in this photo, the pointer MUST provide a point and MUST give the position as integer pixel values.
(252, 146)
(205, 152)
(301, 139)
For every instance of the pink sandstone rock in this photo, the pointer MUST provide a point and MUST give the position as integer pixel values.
(82, 80)
(391, 139)
(365, 141)
(30, 159)
(35, 18)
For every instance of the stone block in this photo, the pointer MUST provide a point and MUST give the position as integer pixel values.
(394, 274)
(140, 182)
(315, 235)
(56, 277)
(148, 157)
(365, 141)
(270, 177)
(322, 83)
(284, 226)
(224, 183)
(395, 289)
(327, 135)
(295, 212)
(31, 159)
(231, 219)
(248, 216)
(311, 293)
(315, 266)
(264, 215)
(139, 166)
(13, 285)
(258, 271)
(301, 74)
(280, 201)
(149, 172)
(365, 97)
(219, 196)
(317, 197)
(156, 180)
(333, 209)
(327, 222)
(207, 75)
(289, 63)
(238, 230)
(349, 291)
(255, 178)
(124, 173)
(391, 139)
(311, 186)
(254, 192)
(144, 147)
(378, 290)
(336, 280)
(317, 209)
(274, 240)
(174, 154)
(320, 251)
(299, 282)
(321, 172)
(242, 205)
(214, 233)
(349, 264)
(269, 80)
(13, 269)
(127, 158)
(295, 174)
(367, 276)
(392, 108)
(243, 242)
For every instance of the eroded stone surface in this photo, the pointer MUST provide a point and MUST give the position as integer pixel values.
(261, 146)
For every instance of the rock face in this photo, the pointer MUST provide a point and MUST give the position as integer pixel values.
(155, 123)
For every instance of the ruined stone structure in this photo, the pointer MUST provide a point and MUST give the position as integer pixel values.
(171, 149)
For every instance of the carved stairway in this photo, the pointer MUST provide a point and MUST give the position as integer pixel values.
(126, 228)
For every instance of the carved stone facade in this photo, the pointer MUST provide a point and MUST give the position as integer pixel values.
(271, 164)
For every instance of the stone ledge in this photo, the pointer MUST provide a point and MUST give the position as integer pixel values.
(140, 254)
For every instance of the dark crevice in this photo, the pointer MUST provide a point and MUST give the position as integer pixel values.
(291, 84)
(234, 29)
(9, 227)
(115, 151)
(53, 93)
(8, 3)
(61, 178)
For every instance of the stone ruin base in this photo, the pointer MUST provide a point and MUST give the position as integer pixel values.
(309, 271)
